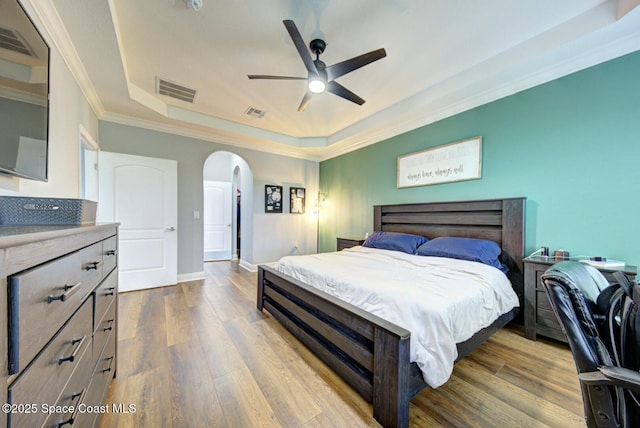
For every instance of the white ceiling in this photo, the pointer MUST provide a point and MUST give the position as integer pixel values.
(443, 57)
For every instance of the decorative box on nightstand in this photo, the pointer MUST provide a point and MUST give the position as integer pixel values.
(348, 243)
(538, 314)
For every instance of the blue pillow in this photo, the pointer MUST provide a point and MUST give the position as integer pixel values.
(475, 250)
(404, 242)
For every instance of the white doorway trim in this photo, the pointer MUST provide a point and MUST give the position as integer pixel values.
(88, 159)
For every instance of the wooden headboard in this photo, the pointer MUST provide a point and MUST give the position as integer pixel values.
(498, 220)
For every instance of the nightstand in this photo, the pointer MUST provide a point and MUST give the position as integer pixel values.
(539, 317)
(349, 242)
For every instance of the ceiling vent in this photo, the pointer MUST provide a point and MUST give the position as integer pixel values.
(255, 112)
(13, 41)
(175, 90)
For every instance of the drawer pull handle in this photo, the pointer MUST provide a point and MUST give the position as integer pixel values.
(110, 324)
(72, 357)
(69, 290)
(74, 416)
(108, 369)
(110, 291)
(93, 265)
(110, 253)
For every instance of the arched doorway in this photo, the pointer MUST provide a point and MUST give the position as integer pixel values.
(228, 169)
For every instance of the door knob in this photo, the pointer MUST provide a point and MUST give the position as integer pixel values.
(170, 229)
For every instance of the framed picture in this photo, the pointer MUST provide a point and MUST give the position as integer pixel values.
(457, 161)
(297, 200)
(272, 199)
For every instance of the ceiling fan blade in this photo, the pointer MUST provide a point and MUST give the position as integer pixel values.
(339, 90)
(262, 76)
(300, 46)
(305, 101)
(344, 67)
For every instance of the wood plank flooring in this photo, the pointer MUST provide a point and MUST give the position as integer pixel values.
(199, 354)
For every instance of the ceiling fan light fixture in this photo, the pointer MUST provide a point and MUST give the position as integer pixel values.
(321, 78)
(317, 86)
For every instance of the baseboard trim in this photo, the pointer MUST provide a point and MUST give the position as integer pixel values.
(247, 266)
(193, 276)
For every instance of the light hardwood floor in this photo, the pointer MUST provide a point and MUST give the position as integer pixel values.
(199, 354)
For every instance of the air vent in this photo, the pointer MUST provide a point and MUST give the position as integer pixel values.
(13, 41)
(255, 112)
(175, 90)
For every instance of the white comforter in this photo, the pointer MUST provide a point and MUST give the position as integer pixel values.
(440, 301)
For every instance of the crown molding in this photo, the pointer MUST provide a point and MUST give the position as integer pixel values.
(426, 110)
(23, 96)
(213, 137)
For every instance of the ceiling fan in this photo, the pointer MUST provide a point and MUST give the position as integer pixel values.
(320, 77)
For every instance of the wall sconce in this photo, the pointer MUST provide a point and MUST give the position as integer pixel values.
(321, 202)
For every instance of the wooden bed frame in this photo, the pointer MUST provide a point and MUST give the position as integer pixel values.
(369, 353)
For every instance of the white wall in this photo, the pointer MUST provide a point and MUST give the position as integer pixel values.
(285, 230)
(68, 109)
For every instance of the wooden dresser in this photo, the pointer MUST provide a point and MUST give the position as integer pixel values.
(58, 329)
(539, 317)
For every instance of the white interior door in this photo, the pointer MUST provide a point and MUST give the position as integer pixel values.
(217, 220)
(141, 194)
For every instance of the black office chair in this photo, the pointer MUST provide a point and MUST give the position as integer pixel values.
(580, 297)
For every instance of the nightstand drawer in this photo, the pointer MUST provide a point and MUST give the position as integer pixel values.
(542, 301)
(539, 285)
(547, 318)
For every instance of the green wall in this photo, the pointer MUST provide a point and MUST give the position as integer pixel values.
(571, 146)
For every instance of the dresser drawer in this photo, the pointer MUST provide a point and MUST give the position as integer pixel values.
(109, 254)
(91, 264)
(43, 298)
(103, 373)
(104, 295)
(44, 380)
(74, 393)
(103, 330)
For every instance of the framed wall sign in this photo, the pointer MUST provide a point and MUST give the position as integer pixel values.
(457, 161)
(297, 200)
(272, 198)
